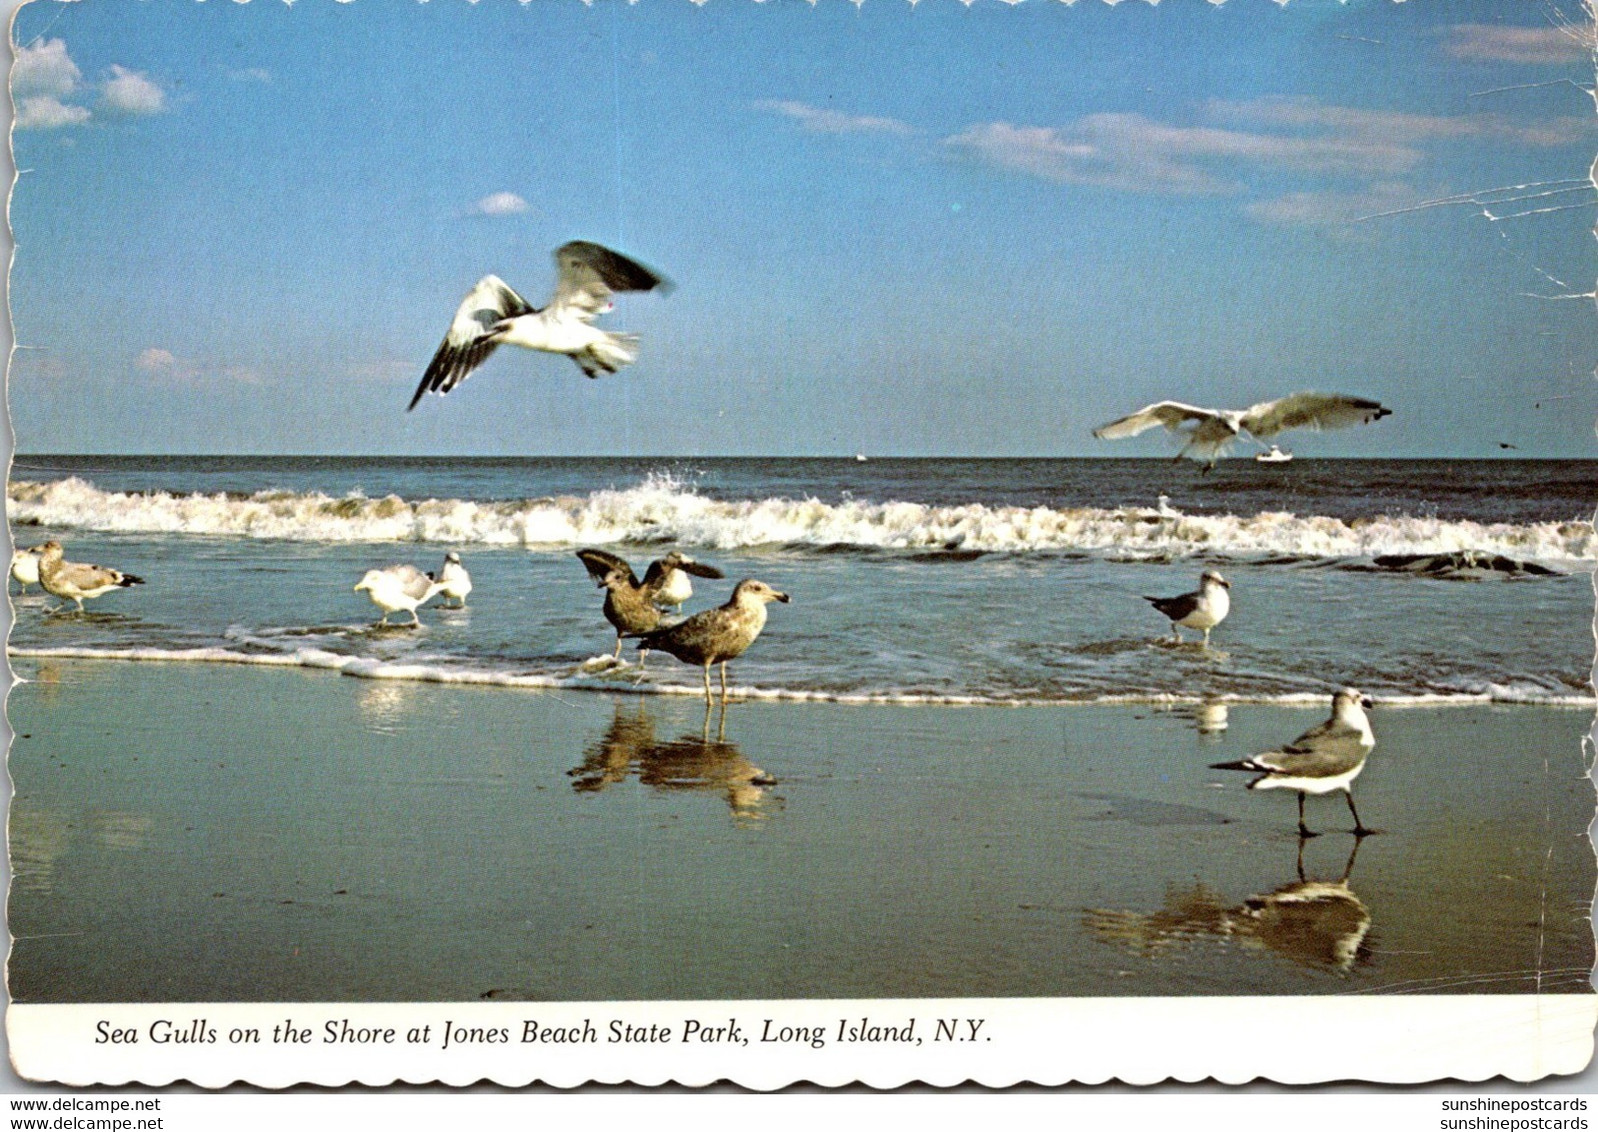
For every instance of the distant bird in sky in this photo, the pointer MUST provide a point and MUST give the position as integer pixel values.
(1204, 608)
(1210, 432)
(1323, 759)
(453, 580)
(74, 581)
(25, 568)
(493, 315)
(715, 636)
(394, 588)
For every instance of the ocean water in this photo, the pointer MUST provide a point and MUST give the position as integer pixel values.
(932, 581)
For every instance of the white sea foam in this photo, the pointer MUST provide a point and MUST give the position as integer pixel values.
(660, 510)
(575, 678)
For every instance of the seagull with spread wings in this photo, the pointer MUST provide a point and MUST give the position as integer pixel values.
(1210, 432)
(493, 315)
(634, 607)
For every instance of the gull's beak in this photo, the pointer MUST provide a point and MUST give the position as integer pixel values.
(780, 597)
(1225, 583)
(1366, 701)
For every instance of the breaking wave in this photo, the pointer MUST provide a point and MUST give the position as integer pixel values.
(662, 510)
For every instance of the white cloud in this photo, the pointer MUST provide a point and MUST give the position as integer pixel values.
(1129, 151)
(44, 70)
(46, 113)
(1491, 43)
(384, 370)
(154, 358)
(1395, 126)
(251, 75)
(1295, 136)
(499, 204)
(164, 364)
(822, 121)
(131, 92)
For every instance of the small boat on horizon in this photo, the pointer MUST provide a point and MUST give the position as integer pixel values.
(1274, 456)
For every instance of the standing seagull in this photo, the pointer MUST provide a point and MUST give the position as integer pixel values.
(629, 606)
(398, 587)
(665, 582)
(1325, 758)
(25, 568)
(494, 315)
(715, 636)
(453, 580)
(1211, 431)
(1204, 608)
(74, 581)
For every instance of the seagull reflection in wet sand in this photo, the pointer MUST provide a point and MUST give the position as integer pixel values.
(691, 762)
(1313, 923)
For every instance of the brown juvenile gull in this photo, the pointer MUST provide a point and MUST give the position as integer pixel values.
(1210, 432)
(1204, 608)
(628, 604)
(25, 568)
(74, 581)
(715, 636)
(398, 587)
(665, 582)
(493, 315)
(1325, 758)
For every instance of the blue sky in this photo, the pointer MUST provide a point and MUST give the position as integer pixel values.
(920, 230)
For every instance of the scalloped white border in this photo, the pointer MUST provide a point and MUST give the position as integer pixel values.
(1139, 1041)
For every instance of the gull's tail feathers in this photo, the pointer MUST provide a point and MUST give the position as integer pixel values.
(608, 354)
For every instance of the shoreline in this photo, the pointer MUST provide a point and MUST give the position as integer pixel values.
(301, 838)
(578, 680)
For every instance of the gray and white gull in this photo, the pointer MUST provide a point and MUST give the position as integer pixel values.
(1323, 759)
(1203, 609)
(398, 587)
(75, 581)
(1210, 432)
(493, 315)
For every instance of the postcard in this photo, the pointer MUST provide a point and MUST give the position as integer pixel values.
(842, 542)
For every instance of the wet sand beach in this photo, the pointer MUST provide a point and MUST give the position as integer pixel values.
(209, 832)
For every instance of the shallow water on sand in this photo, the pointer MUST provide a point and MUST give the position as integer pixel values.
(188, 832)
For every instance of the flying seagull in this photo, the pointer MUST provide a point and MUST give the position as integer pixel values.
(715, 636)
(1204, 608)
(494, 315)
(74, 581)
(1325, 758)
(398, 587)
(1210, 432)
